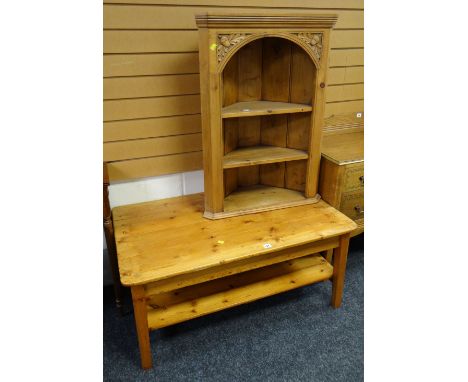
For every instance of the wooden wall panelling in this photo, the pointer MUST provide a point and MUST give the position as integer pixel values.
(142, 148)
(142, 41)
(150, 64)
(151, 127)
(310, 4)
(346, 57)
(183, 84)
(145, 64)
(151, 107)
(170, 17)
(347, 75)
(151, 72)
(345, 92)
(347, 39)
(151, 41)
(140, 168)
(151, 86)
(343, 107)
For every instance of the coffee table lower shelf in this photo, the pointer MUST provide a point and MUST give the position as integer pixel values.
(169, 308)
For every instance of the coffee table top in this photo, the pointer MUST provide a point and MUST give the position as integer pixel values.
(165, 238)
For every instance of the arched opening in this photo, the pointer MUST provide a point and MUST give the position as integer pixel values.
(270, 70)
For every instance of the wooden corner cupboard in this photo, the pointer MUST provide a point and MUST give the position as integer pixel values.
(181, 266)
(263, 81)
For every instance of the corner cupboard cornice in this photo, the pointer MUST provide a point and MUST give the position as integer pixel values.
(208, 20)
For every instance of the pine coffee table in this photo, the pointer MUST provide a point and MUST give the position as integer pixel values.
(180, 265)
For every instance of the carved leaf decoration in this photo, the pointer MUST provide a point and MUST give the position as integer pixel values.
(226, 42)
(314, 40)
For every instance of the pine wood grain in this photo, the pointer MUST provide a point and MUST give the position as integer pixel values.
(340, 255)
(141, 323)
(274, 130)
(250, 72)
(252, 108)
(183, 281)
(276, 68)
(259, 197)
(273, 174)
(136, 240)
(344, 148)
(236, 290)
(254, 155)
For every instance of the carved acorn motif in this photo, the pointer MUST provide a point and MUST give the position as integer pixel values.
(314, 40)
(226, 42)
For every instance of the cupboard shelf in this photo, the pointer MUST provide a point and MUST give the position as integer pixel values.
(263, 198)
(253, 108)
(256, 155)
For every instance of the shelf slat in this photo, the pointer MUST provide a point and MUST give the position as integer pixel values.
(252, 108)
(250, 156)
(198, 300)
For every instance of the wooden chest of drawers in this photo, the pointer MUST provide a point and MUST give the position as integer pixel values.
(342, 174)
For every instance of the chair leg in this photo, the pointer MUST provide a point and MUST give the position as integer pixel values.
(340, 255)
(141, 322)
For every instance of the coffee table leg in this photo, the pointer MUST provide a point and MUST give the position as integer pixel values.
(340, 255)
(141, 322)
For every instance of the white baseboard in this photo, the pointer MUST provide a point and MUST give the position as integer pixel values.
(159, 187)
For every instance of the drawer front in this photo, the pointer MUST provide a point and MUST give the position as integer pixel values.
(354, 177)
(352, 204)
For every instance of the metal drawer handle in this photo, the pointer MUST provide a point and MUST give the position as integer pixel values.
(361, 178)
(358, 209)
